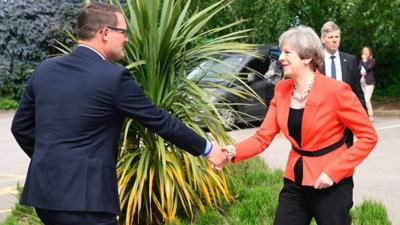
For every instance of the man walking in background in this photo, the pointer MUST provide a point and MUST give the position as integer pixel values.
(340, 66)
(69, 123)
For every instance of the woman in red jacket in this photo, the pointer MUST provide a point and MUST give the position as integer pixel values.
(312, 112)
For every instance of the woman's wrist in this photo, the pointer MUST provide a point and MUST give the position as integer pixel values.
(231, 150)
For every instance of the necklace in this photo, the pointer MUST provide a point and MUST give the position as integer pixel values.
(300, 98)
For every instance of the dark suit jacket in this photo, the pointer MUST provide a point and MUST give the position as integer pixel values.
(350, 76)
(369, 66)
(69, 122)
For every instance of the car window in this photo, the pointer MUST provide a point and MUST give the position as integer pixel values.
(259, 65)
(213, 71)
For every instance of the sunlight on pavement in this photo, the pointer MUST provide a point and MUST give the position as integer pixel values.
(11, 175)
(5, 211)
(8, 190)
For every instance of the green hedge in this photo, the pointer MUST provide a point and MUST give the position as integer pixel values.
(8, 103)
(28, 30)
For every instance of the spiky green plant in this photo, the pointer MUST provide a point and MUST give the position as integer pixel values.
(156, 179)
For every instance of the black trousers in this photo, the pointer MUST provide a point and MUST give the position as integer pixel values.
(299, 204)
(54, 217)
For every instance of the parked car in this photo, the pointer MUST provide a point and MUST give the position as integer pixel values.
(252, 71)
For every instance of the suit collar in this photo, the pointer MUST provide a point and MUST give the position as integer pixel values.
(344, 62)
(87, 52)
(93, 49)
(312, 104)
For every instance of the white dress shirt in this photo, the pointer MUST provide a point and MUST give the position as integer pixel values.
(87, 46)
(328, 62)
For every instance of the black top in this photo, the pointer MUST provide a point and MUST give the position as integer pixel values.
(294, 124)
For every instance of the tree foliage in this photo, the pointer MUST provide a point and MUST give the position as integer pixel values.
(363, 22)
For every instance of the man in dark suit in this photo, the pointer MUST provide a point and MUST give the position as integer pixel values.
(69, 123)
(340, 66)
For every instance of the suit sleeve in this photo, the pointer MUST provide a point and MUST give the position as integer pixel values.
(357, 84)
(263, 137)
(23, 124)
(352, 115)
(132, 102)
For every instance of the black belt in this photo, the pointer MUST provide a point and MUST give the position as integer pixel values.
(321, 151)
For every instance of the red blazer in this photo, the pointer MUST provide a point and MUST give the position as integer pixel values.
(330, 108)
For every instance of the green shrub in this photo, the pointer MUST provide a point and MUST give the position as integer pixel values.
(28, 30)
(8, 103)
(370, 212)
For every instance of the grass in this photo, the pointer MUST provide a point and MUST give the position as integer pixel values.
(256, 188)
(7, 103)
(370, 212)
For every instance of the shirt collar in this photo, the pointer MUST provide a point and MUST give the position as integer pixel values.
(93, 49)
(328, 55)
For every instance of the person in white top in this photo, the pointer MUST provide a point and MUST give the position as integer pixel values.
(366, 69)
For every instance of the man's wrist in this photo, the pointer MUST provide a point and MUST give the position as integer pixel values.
(208, 149)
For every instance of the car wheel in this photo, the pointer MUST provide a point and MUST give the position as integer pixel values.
(229, 117)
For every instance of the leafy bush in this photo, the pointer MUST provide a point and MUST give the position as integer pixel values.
(28, 31)
(8, 103)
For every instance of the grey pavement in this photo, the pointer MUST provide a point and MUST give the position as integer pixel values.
(13, 165)
(377, 177)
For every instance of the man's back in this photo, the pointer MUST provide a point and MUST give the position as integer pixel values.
(77, 131)
(69, 122)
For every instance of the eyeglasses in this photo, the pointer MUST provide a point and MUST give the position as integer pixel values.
(119, 30)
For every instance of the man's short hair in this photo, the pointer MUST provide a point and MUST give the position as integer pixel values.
(305, 42)
(94, 17)
(328, 27)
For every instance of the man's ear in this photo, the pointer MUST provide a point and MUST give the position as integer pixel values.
(104, 34)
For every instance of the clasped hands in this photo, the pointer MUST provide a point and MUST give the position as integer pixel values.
(218, 156)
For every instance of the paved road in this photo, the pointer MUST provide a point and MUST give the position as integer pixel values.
(13, 165)
(377, 177)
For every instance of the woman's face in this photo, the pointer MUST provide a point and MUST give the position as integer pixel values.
(365, 53)
(291, 62)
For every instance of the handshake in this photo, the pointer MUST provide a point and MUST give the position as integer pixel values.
(219, 156)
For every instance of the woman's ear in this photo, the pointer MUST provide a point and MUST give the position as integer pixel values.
(307, 61)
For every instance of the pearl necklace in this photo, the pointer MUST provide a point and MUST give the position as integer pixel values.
(300, 98)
